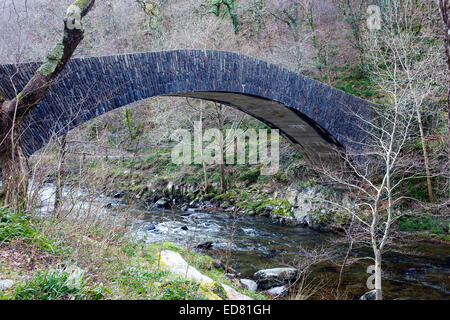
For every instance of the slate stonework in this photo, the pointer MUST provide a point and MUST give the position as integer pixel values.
(89, 87)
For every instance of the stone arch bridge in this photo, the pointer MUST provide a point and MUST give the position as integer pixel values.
(314, 116)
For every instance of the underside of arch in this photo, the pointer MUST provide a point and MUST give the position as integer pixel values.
(310, 139)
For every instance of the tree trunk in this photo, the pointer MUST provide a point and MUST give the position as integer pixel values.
(425, 157)
(205, 171)
(222, 144)
(378, 292)
(15, 171)
(13, 161)
(347, 255)
(205, 175)
(444, 6)
(58, 191)
(223, 181)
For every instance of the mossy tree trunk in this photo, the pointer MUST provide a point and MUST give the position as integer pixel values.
(14, 171)
(12, 157)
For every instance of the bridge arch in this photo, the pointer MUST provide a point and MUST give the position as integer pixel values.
(313, 116)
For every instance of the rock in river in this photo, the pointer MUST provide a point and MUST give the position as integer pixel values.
(277, 277)
(205, 246)
(277, 292)
(150, 227)
(162, 204)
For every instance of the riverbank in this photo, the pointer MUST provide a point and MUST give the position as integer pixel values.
(69, 258)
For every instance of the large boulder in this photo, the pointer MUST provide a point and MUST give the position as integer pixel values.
(174, 262)
(205, 245)
(249, 284)
(233, 294)
(309, 211)
(276, 277)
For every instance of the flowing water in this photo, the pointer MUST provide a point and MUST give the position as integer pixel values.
(258, 244)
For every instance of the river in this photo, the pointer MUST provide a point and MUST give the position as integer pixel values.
(257, 244)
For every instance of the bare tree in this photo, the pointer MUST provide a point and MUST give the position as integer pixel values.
(373, 187)
(418, 74)
(222, 117)
(373, 178)
(227, 142)
(444, 7)
(222, 145)
(12, 158)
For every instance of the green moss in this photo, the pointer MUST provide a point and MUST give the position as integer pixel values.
(80, 3)
(53, 59)
(281, 207)
(250, 176)
(354, 80)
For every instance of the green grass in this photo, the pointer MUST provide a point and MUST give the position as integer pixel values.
(353, 80)
(19, 226)
(141, 280)
(431, 224)
(56, 284)
(137, 275)
(181, 290)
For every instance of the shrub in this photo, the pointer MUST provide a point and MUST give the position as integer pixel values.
(251, 176)
(433, 225)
